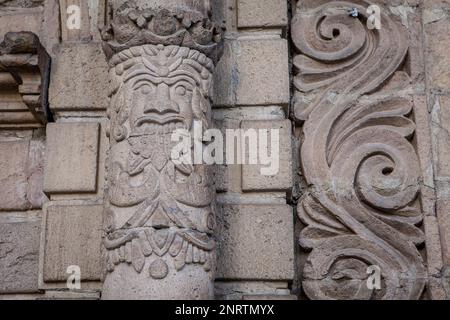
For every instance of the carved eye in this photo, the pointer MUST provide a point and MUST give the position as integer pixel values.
(146, 89)
(180, 90)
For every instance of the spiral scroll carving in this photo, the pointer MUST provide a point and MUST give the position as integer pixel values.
(362, 205)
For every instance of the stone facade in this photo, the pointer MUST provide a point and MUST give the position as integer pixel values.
(352, 97)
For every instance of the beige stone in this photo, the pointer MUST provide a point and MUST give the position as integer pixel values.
(160, 215)
(13, 177)
(91, 13)
(280, 177)
(256, 242)
(440, 127)
(19, 256)
(236, 290)
(262, 13)
(248, 70)
(227, 177)
(21, 174)
(437, 27)
(79, 78)
(442, 208)
(353, 158)
(72, 157)
(20, 20)
(72, 236)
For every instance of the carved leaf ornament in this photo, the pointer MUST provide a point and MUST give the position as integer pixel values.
(362, 206)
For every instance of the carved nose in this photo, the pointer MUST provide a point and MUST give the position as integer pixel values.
(162, 103)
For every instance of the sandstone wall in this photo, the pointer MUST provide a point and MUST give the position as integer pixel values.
(273, 232)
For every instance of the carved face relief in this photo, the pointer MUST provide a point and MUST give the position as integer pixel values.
(163, 89)
(161, 102)
(155, 207)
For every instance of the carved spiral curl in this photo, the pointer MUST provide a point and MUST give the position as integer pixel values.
(356, 157)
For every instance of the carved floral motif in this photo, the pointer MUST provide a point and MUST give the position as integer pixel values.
(133, 26)
(362, 205)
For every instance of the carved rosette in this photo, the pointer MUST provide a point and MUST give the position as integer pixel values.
(160, 216)
(362, 207)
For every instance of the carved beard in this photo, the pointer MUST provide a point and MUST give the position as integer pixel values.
(150, 148)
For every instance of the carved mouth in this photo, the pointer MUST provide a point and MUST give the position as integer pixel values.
(156, 119)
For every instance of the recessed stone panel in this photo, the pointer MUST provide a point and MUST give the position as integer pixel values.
(255, 242)
(13, 175)
(276, 175)
(72, 158)
(79, 78)
(72, 238)
(248, 70)
(262, 13)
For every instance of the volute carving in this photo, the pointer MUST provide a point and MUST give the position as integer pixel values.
(362, 207)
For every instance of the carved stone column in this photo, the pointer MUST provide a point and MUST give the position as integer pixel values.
(159, 219)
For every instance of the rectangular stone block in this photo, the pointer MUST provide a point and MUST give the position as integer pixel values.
(440, 126)
(443, 209)
(277, 175)
(19, 256)
(253, 72)
(72, 157)
(72, 236)
(15, 20)
(256, 242)
(262, 13)
(79, 78)
(13, 175)
(436, 20)
(21, 172)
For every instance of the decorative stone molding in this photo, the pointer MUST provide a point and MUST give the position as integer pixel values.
(160, 216)
(184, 23)
(25, 66)
(362, 206)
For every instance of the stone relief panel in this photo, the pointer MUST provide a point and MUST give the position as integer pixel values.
(160, 215)
(158, 89)
(362, 206)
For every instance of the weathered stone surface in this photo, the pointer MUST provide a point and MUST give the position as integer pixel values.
(79, 78)
(16, 21)
(436, 20)
(19, 256)
(21, 176)
(72, 157)
(236, 290)
(160, 214)
(246, 73)
(262, 13)
(13, 175)
(358, 165)
(278, 175)
(256, 242)
(91, 14)
(25, 59)
(72, 236)
(440, 127)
